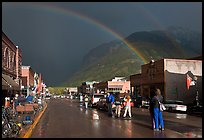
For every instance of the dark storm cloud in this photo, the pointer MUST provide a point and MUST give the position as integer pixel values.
(141, 15)
(55, 43)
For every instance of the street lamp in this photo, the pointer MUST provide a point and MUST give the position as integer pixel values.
(197, 102)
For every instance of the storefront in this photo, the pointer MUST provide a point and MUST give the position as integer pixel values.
(9, 88)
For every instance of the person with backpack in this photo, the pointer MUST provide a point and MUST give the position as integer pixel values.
(118, 103)
(86, 100)
(157, 114)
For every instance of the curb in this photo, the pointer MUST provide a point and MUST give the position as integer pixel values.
(29, 132)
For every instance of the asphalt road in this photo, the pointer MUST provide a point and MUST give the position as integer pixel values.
(66, 118)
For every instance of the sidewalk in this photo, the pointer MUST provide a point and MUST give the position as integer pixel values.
(173, 117)
(26, 130)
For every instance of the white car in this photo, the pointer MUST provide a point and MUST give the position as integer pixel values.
(62, 96)
(47, 97)
(95, 98)
(175, 105)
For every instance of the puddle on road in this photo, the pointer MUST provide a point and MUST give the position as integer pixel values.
(95, 115)
(181, 116)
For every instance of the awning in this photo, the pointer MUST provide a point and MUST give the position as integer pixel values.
(115, 86)
(5, 85)
(9, 83)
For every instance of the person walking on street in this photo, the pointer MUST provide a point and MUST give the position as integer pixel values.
(86, 100)
(127, 106)
(118, 104)
(110, 102)
(158, 118)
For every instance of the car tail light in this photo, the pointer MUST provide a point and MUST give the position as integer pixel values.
(92, 99)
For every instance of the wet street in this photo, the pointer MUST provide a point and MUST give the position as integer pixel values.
(66, 118)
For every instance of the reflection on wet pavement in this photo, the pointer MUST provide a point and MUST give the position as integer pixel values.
(194, 134)
(181, 116)
(160, 134)
(96, 124)
(128, 127)
(95, 115)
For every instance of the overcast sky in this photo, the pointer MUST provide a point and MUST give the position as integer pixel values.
(54, 37)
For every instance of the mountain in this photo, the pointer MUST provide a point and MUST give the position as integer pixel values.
(116, 59)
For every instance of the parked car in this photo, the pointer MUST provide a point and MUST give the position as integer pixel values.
(55, 96)
(137, 101)
(194, 109)
(175, 105)
(47, 97)
(102, 104)
(95, 98)
(145, 103)
(62, 96)
(140, 102)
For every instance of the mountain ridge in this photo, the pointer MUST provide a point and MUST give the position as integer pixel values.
(116, 59)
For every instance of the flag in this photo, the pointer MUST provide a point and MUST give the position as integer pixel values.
(189, 81)
(39, 87)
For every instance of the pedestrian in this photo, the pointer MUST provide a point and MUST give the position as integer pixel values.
(16, 101)
(86, 100)
(151, 108)
(7, 102)
(127, 106)
(118, 103)
(30, 98)
(21, 99)
(110, 102)
(158, 118)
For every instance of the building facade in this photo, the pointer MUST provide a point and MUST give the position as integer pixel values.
(87, 87)
(116, 85)
(11, 67)
(27, 79)
(135, 82)
(169, 75)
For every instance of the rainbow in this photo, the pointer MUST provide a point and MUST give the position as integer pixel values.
(69, 12)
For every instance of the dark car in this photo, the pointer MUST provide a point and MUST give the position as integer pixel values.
(137, 101)
(196, 110)
(140, 102)
(102, 104)
(145, 103)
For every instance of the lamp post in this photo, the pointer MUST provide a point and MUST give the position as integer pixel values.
(197, 102)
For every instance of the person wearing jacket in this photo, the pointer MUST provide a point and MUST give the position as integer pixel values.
(118, 103)
(158, 118)
(110, 102)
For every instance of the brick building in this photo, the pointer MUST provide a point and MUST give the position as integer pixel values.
(87, 87)
(11, 67)
(27, 79)
(169, 75)
(117, 85)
